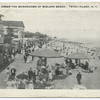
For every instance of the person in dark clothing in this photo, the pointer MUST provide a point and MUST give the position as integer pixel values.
(58, 72)
(82, 65)
(30, 74)
(72, 65)
(14, 54)
(76, 61)
(25, 50)
(34, 76)
(70, 61)
(32, 58)
(86, 65)
(21, 85)
(79, 76)
(32, 50)
(19, 51)
(26, 53)
(10, 56)
(66, 61)
(25, 58)
(13, 73)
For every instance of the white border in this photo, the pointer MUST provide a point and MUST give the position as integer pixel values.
(49, 0)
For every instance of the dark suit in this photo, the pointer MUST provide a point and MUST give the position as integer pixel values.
(30, 74)
(79, 76)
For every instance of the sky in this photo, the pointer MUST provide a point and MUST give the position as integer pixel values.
(73, 25)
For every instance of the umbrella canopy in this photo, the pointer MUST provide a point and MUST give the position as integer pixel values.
(22, 76)
(47, 53)
(78, 56)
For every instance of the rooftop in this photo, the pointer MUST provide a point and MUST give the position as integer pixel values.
(14, 23)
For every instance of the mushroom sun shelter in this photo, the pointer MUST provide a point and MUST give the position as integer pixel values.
(78, 56)
(47, 53)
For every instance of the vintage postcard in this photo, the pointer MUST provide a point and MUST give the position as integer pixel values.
(50, 49)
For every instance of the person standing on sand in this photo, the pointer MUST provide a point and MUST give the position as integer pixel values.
(30, 74)
(25, 58)
(79, 76)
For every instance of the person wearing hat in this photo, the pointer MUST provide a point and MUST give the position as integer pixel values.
(13, 72)
(25, 58)
(7, 74)
(30, 74)
(79, 76)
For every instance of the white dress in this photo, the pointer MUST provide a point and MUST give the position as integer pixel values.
(14, 85)
(50, 76)
(28, 59)
(53, 71)
(64, 71)
(23, 51)
(31, 86)
(9, 83)
(7, 74)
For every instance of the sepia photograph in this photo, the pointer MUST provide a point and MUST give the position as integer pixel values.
(50, 46)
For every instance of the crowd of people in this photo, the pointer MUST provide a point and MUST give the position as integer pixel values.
(34, 77)
(67, 48)
(44, 74)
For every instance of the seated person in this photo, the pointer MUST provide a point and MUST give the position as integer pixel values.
(82, 65)
(72, 65)
(58, 72)
(91, 69)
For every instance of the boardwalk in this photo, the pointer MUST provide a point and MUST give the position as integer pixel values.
(89, 80)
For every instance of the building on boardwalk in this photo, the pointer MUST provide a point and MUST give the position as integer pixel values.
(11, 37)
(13, 34)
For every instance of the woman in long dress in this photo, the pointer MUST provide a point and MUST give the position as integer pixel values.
(9, 84)
(25, 82)
(28, 59)
(7, 74)
(31, 86)
(53, 71)
(50, 76)
(13, 84)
